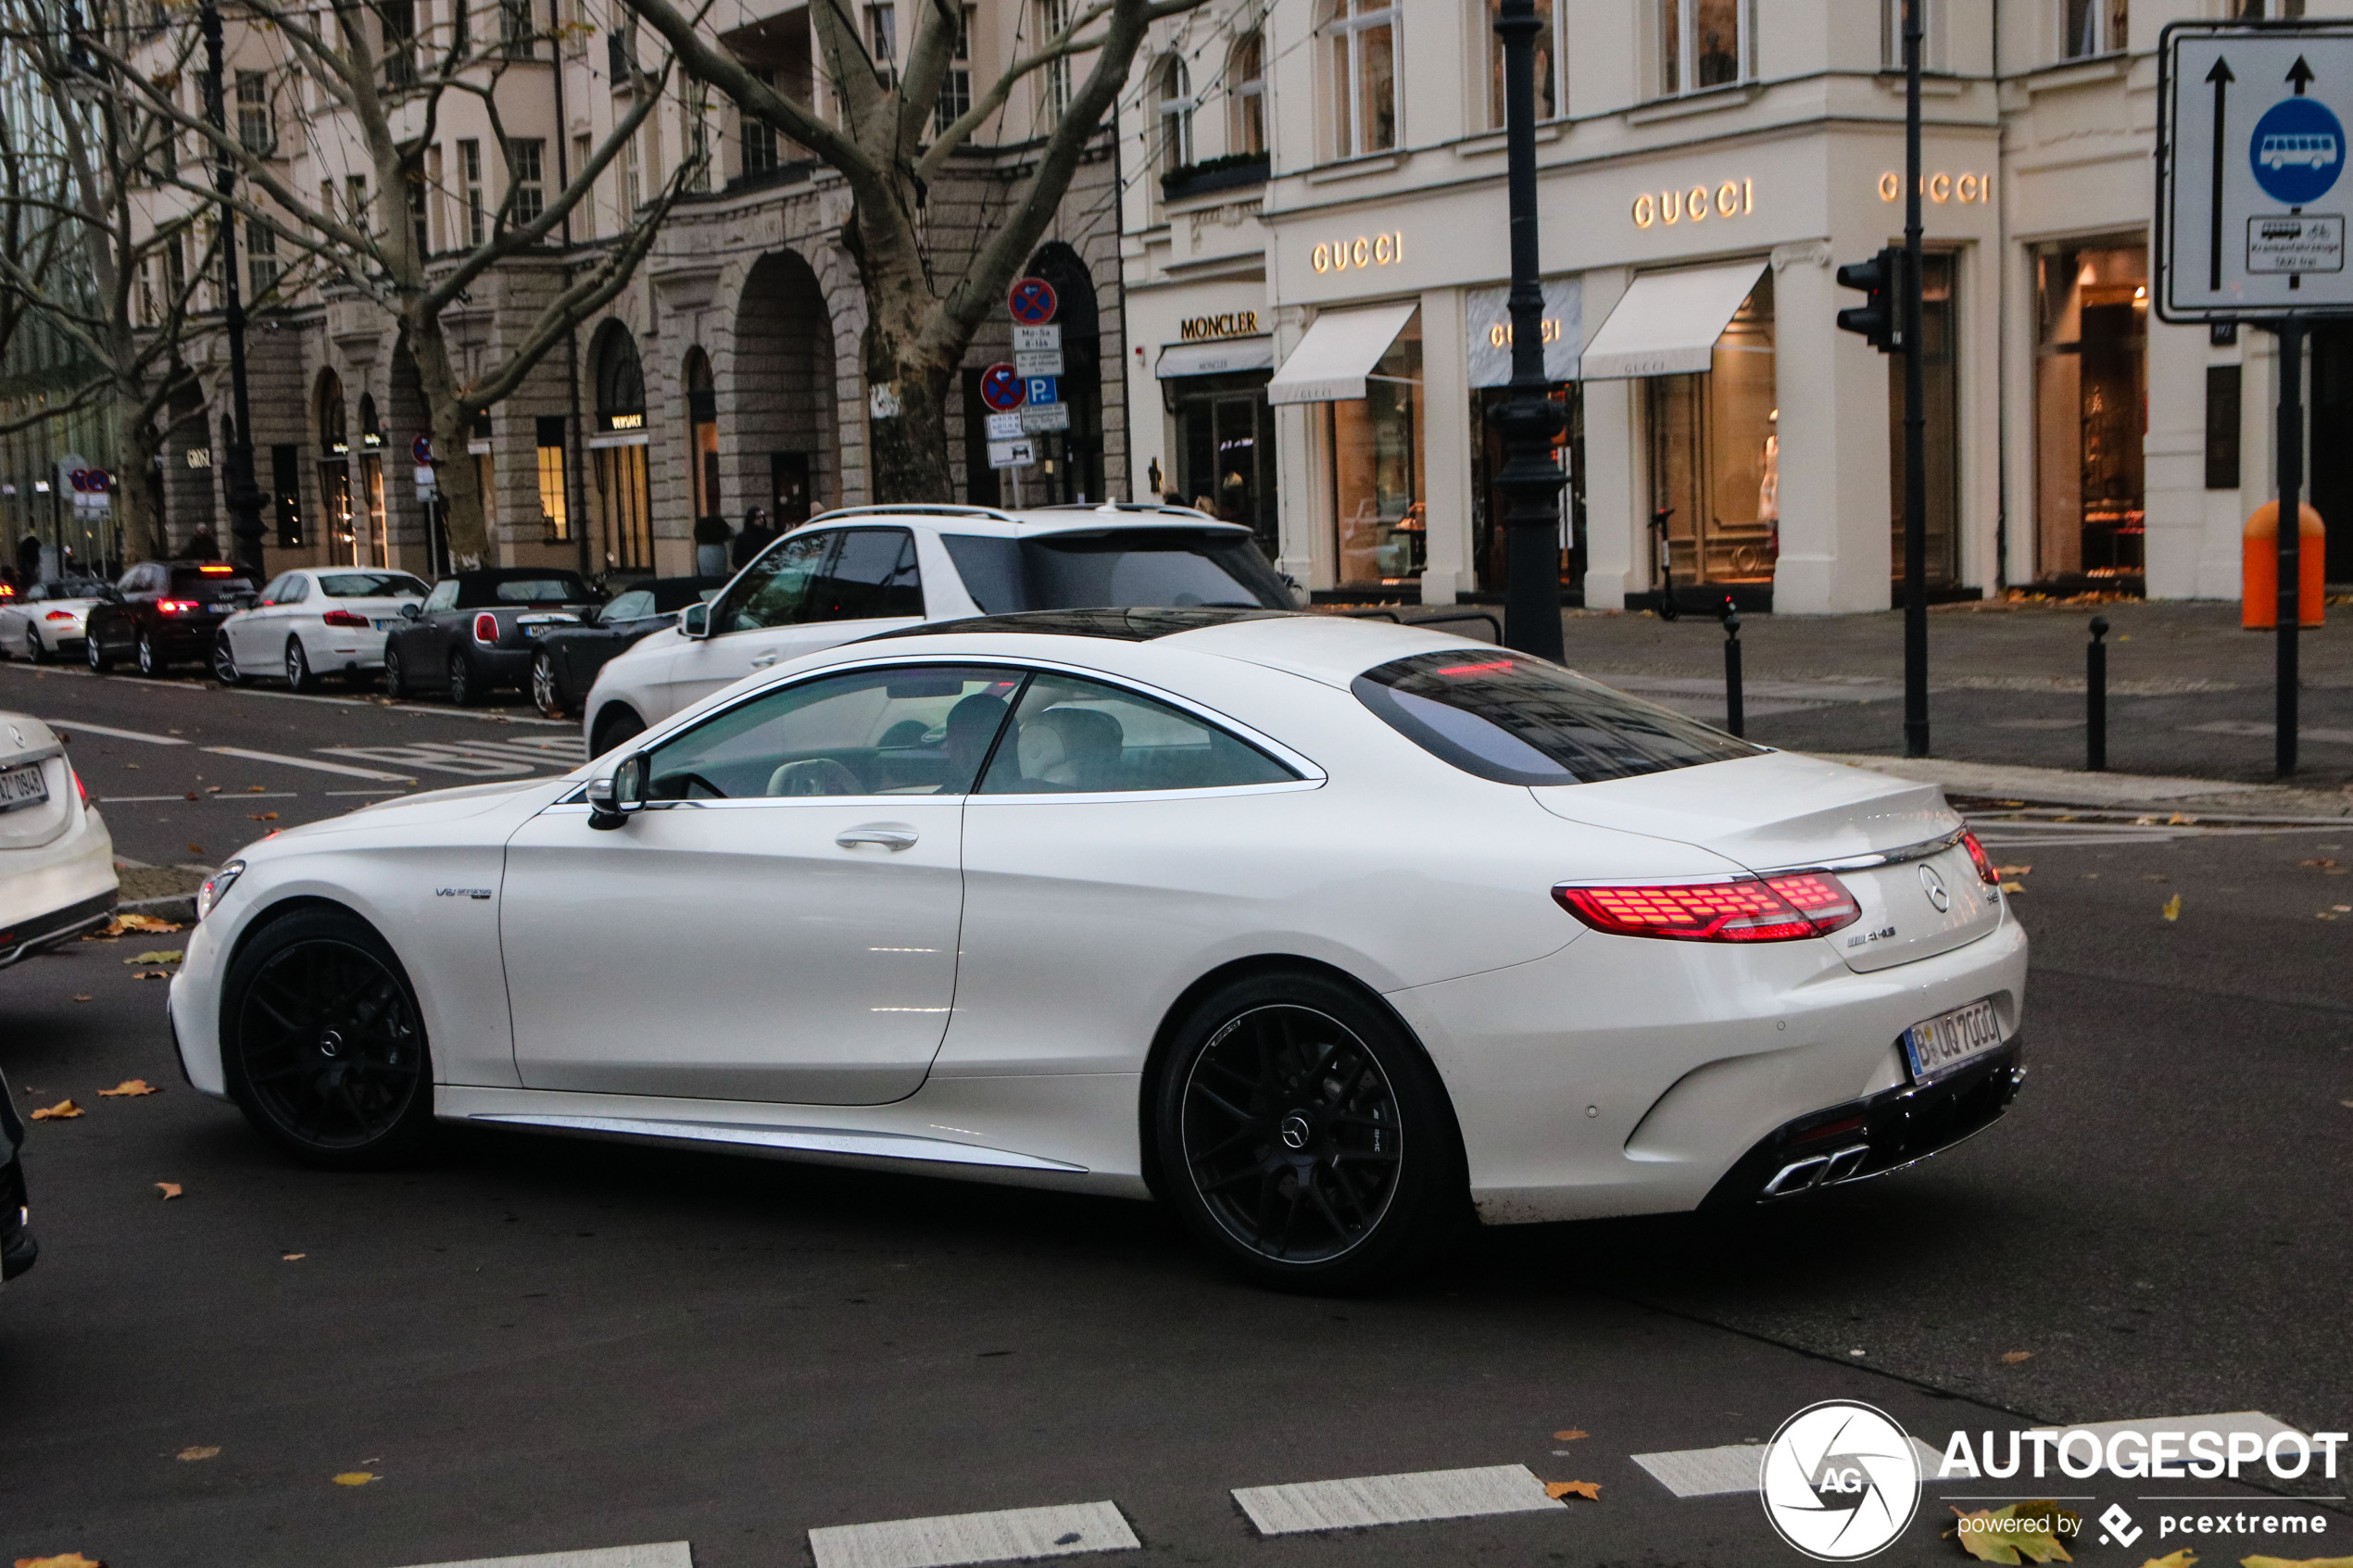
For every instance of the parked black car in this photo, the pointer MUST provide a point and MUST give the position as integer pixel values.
(478, 629)
(166, 614)
(568, 659)
(16, 1247)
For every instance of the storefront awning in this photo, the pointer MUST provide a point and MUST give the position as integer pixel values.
(1339, 352)
(1216, 359)
(1668, 324)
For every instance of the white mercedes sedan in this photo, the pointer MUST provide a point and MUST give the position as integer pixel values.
(1332, 935)
(314, 621)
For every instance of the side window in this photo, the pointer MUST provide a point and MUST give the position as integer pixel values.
(631, 605)
(919, 730)
(871, 578)
(443, 596)
(296, 589)
(771, 591)
(1079, 736)
(276, 593)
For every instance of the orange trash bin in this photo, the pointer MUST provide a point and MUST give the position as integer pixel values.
(2259, 569)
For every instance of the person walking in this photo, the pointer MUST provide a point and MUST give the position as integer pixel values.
(755, 537)
(201, 545)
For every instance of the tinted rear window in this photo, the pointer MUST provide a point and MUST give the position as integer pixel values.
(370, 585)
(1127, 568)
(207, 588)
(1524, 721)
(556, 588)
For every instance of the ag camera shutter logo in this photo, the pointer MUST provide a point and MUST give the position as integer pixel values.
(1840, 1481)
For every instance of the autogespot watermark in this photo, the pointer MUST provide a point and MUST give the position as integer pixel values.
(1840, 1481)
(2133, 1455)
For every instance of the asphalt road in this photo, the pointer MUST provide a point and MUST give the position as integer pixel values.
(534, 1345)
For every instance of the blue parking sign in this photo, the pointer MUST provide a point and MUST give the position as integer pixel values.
(1042, 389)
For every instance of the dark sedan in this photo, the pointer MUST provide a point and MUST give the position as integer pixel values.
(478, 631)
(17, 1248)
(568, 659)
(165, 613)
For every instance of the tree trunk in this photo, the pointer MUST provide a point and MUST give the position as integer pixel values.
(463, 521)
(908, 450)
(133, 507)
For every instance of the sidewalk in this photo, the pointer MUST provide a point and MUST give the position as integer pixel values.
(2190, 695)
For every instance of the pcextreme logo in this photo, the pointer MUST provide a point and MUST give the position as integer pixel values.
(1840, 1481)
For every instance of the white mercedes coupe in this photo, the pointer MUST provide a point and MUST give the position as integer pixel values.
(1331, 935)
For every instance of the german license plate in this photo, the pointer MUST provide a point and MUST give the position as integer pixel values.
(535, 632)
(386, 622)
(22, 787)
(1951, 1040)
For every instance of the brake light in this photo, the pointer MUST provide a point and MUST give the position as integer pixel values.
(343, 618)
(80, 788)
(215, 571)
(175, 607)
(1748, 909)
(1984, 862)
(58, 615)
(485, 628)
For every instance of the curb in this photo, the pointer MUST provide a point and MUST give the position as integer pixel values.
(2057, 786)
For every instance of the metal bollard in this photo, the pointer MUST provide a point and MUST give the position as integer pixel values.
(2096, 698)
(1735, 708)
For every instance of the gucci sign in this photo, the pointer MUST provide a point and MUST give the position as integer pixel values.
(1941, 187)
(1732, 198)
(1364, 250)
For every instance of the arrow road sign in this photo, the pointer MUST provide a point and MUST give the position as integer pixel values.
(1003, 387)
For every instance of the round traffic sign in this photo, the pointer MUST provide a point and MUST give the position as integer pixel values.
(99, 480)
(421, 449)
(1032, 301)
(81, 480)
(2298, 150)
(1003, 388)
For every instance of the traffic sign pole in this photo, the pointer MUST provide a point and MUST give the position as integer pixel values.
(2291, 434)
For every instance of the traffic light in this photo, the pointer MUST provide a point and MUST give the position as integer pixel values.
(1878, 316)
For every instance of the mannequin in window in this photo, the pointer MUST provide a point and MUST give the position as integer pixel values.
(1768, 484)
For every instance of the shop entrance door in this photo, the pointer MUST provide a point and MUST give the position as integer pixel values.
(1226, 454)
(2091, 413)
(2331, 414)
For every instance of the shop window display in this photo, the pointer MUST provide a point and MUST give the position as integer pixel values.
(1381, 528)
(2091, 410)
(1714, 454)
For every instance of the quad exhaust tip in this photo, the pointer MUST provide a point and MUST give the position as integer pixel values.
(1822, 1170)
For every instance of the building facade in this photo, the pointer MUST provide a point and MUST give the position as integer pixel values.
(1316, 284)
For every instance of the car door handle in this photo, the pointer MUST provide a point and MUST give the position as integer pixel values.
(890, 835)
(764, 660)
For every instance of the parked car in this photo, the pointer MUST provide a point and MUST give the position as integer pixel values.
(1117, 901)
(57, 859)
(851, 573)
(477, 631)
(165, 613)
(44, 622)
(313, 622)
(17, 1249)
(568, 659)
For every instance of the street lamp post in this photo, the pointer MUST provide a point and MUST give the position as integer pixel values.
(243, 496)
(1914, 411)
(1530, 477)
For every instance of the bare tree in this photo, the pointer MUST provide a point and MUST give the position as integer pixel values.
(82, 260)
(390, 105)
(917, 332)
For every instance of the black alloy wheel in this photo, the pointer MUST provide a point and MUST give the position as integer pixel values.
(463, 684)
(395, 679)
(298, 677)
(323, 1048)
(1303, 1132)
(546, 695)
(224, 661)
(152, 663)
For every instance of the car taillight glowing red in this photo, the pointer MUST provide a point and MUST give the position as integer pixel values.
(1984, 862)
(58, 615)
(343, 618)
(1748, 909)
(485, 628)
(175, 607)
(83, 789)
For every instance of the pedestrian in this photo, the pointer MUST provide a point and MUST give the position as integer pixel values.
(710, 546)
(755, 537)
(201, 546)
(28, 558)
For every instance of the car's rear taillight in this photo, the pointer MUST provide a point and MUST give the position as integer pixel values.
(485, 628)
(1984, 862)
(344, 618)
(175, 607)
(1748, 909)
(58, 615)
(80, 788)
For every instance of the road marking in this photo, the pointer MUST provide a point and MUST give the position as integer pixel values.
(1013, 1535)
(71, 725)
(308, 763)
(487, 760)
(1712, 1473)
(2251, 728)
(415, 708)
(668, 1554)
(332, 794)
(1394, 1499)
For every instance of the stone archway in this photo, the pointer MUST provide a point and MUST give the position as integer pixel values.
(779, 432)
(1078, 455)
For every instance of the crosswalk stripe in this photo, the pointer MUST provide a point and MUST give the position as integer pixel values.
(71, 725)
(1711, 1473)
(310, 763)
(1013, 1535)
(1394, 1499)
(665, 1554)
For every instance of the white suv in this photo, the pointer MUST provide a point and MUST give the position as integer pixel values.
(855, 573)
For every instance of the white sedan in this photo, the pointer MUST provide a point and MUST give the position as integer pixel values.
(314, 621)
(47, 622)
(1329, 934)
(57, 859)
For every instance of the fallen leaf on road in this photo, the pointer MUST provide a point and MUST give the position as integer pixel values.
(192, 794)
(196, 849)
(64, 1110)
(2181, 1559)
(159, 955)
(71, 1560)
(2323, 862)
(1591, 1491)
(85, 998)
(212, 1453)
(2180, 820)
(1570, 1435)
(170, 1190)
(2172, 910)
(129, 1087)
(2019, 1532)
(355, 1477)
(151, 974)
(142, 923)
(257, 789)
(261, 816)
(294, 1257)
(2295, 1562)
(2013, 887)
(2013, 871)
(2012, 1358)
(212, 789)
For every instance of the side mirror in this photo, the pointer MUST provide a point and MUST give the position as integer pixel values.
(614, 798)
(694, 620)
(411, 611)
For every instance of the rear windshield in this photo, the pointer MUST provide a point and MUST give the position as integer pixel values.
(1128, 568)
(1524, 721)
(556, 588)
(371, 586)
(207, 588)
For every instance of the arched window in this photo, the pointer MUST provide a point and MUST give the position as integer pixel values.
(620, 382)
(335, 439)
(1175, 115)
(1360, 76)
(703, 434)
(623, 493)
(1246, 95)
(371, 430)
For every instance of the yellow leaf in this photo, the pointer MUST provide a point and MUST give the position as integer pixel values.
(262, 816)
(1570, 1435)
(2013, 887)
(294, 1257)
(212, 1453)
(355, 1477)
(2181, 1559)
(170, 1190)
(159, 955)
(2295, 1562)
(64, 1110)
(196, 849)
(129, 1087)
(257, 789)
(135, 922)
(2012, 1358)
(1591, 1490)
(151, 974)
(85, 997)
(71, 1560)
(2172, 910)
